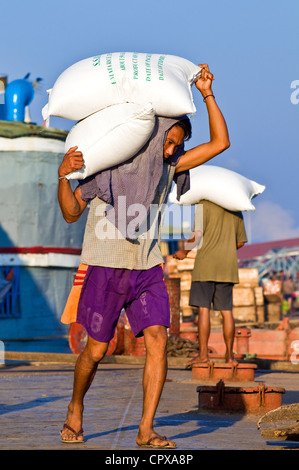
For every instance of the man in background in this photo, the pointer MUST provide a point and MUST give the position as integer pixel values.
(220, 234)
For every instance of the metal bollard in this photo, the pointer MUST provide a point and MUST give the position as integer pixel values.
(242, 336)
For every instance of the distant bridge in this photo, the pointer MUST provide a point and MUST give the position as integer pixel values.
(276, 259)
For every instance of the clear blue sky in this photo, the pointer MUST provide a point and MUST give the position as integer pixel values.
(250, 46)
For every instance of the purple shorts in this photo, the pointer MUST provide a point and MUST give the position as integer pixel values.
(106, 291)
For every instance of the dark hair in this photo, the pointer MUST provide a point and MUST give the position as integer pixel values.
(185, 124)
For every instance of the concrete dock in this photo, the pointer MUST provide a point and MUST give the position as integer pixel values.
(35, 392)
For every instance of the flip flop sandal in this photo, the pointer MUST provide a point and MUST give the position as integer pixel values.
(164, 438)
(76, 434)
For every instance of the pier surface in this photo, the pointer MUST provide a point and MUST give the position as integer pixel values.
(34, 396)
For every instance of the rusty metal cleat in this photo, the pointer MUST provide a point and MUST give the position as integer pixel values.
(248, 400)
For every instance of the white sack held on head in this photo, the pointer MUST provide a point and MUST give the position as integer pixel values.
(97, 82)
(110, 137)
(226, 188)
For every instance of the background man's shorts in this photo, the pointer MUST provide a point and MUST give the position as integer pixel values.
(218, 295)
(106, 291)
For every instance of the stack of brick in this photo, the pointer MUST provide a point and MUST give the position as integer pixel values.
(248, 297)
(273, 300)
(183, 270)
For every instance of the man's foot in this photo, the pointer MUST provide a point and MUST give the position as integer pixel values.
(72, 429)
(197, 360)
(156, 442)
(69, 435)
(230, 359)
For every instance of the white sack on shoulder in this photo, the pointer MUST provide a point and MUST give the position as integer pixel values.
(224, 187)
(110, 137)
(97, 82)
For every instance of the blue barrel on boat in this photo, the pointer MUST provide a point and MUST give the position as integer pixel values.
(18, 94)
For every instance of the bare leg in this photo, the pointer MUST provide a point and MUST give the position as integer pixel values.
(228, 334)
(203, 333)
(203, 337)
(85, 369)
(154, 376)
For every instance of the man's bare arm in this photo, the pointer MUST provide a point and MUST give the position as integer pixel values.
(188, 245)
(219, 137)
(71, 203)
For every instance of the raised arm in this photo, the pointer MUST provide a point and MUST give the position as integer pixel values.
(219, 138)
(71, 203)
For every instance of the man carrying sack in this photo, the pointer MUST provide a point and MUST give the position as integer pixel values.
(124, 266)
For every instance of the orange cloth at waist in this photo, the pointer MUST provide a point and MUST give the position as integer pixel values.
(70, 311)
